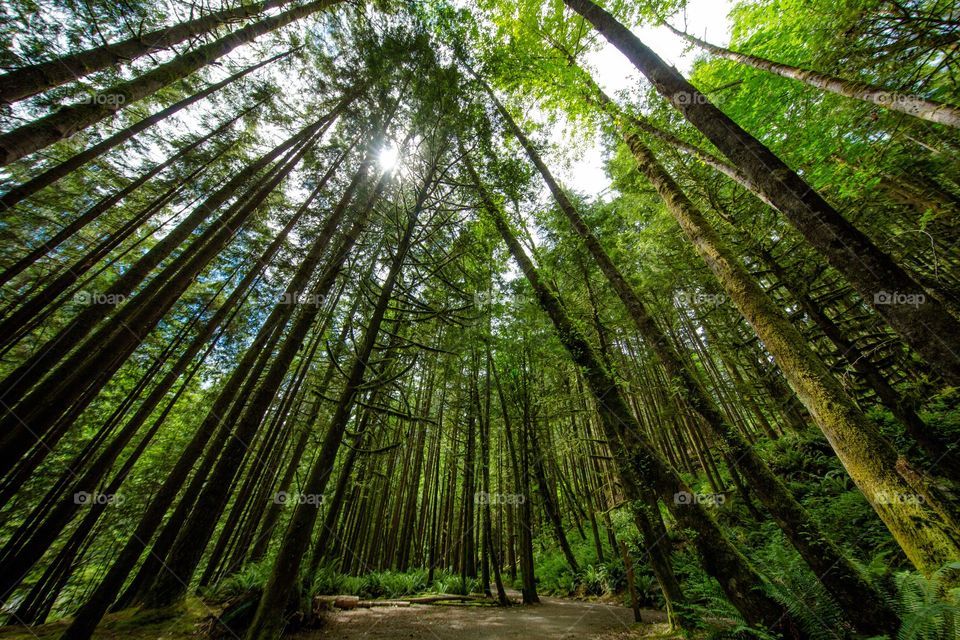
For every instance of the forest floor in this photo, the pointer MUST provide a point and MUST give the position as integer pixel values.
(554, 618)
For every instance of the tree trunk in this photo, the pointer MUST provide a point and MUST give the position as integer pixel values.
(77, 381)
(254, 358)
(20, 192)
(94, 212)
(29, 80)
(636, 459)
(172, 585)
(268, 622)
(871, 461)
(15, 385)
(926, 325)
(864, 605)
(912, 105)
(43, 132)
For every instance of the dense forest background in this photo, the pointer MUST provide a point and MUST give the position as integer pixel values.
(293, 304)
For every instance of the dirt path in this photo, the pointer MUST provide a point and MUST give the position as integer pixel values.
(555, 619)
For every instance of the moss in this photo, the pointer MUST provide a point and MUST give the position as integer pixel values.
(175, 623)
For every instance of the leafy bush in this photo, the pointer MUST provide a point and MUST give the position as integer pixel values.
(594, 580)
(796, 587)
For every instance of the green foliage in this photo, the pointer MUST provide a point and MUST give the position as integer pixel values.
(390, 584)
(929, 607)
(250, 578)
(456, 585)
(793, 585)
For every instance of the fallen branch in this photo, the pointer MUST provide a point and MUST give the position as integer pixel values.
(352, 602)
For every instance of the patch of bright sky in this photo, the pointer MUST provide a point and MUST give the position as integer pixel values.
(388, 157)
(706, 19)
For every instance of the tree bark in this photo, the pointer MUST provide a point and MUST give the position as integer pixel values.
(912, 105)
(104, 204)
(926, 326)
(15, 385)
(862, 603)
(29, 80)
(79, 378)
(636, 459)
(43, 132)
(22, 191)
(869, 459)
(268, 622)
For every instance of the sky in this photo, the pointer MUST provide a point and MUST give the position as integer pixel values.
(706, 19)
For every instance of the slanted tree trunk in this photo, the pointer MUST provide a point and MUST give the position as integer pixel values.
(636, 459)
(928, 327)
(912, 105)
(18, 383)
(20, 192)
(104, 204)
(92, 371)
(239, 384)
(171, 585)
(91, 612)
(873, 464)
(861, 602)
(656, 541)
(268, 622)
(43, 303)
(32, 79)
(930, 442)
(43, 132)
(75, 383)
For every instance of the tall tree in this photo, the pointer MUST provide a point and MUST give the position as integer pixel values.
(928, 328)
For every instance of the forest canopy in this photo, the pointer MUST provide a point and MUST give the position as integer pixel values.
(313, 304)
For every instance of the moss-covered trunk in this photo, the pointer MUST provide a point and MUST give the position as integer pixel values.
(638, 463)
(869, 459)
(912, 105)
(927, 326)
(862, 604)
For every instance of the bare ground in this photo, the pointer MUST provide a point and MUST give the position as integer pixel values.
(554, 619)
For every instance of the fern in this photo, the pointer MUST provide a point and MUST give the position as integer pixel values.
(250, 577)
(929, 609)
(792, 584)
